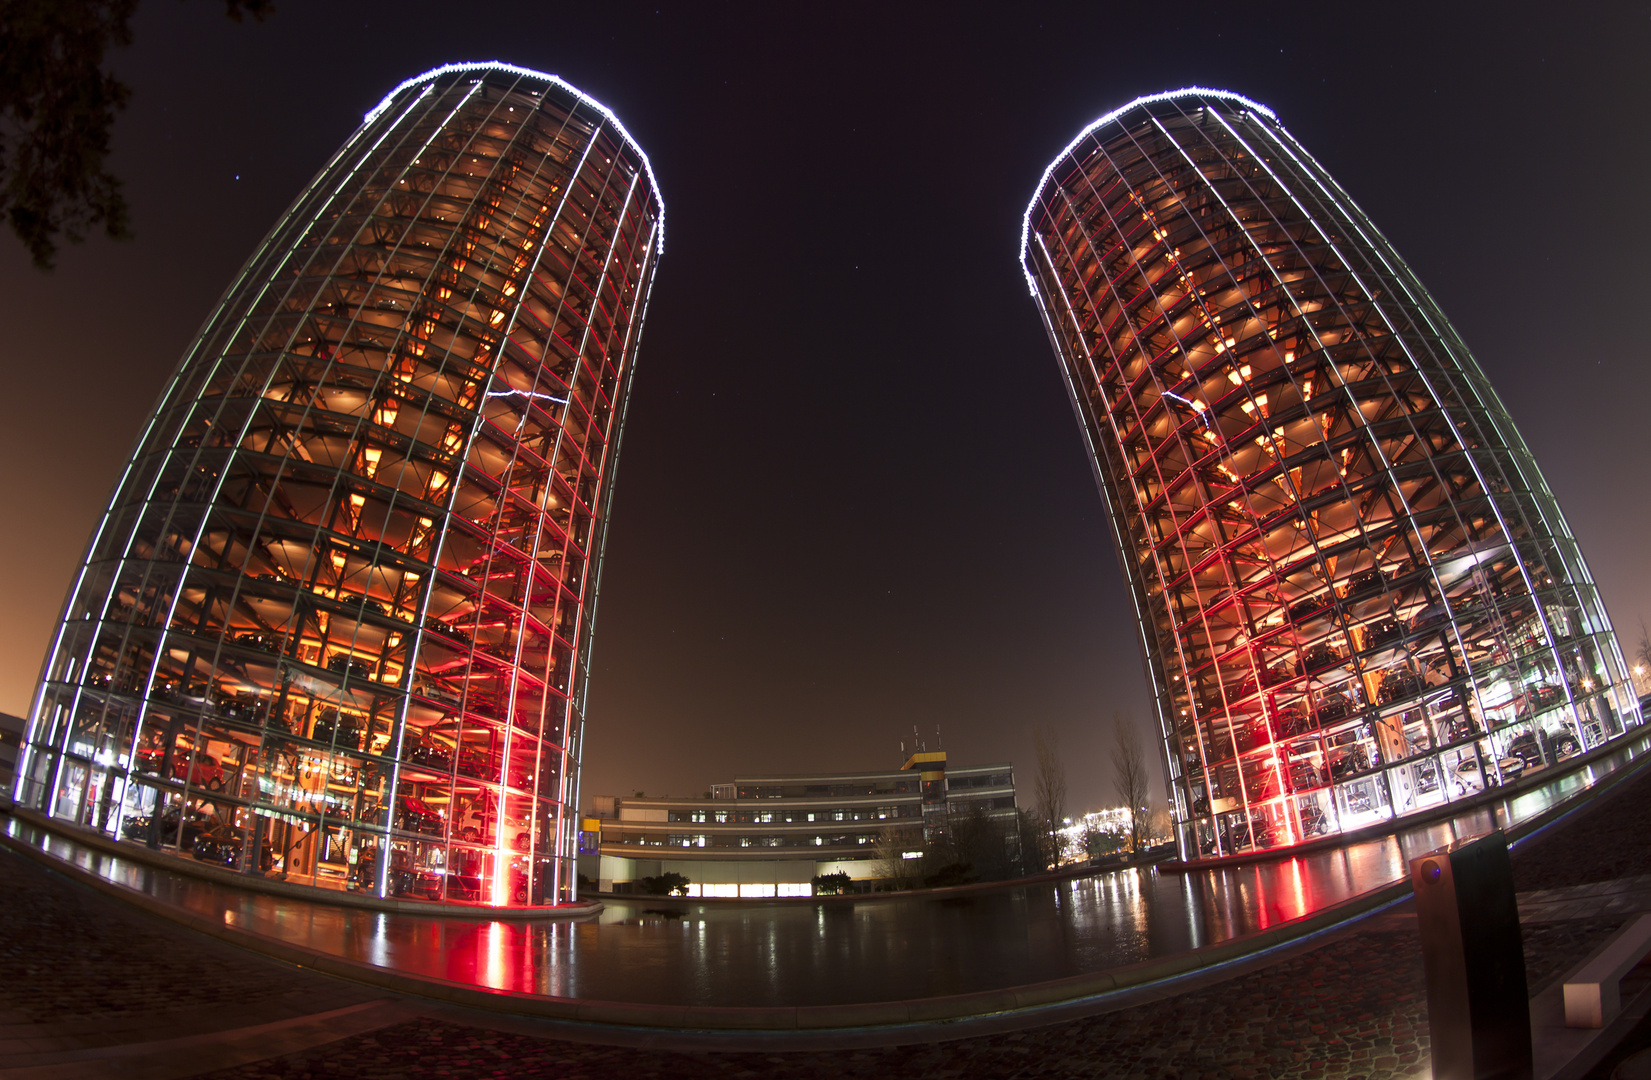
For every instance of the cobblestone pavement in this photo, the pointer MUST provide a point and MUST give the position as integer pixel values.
(1353, 1008)
(107, 962)
(1610, 839)
(1624, 896)
(1552, 948)
(1606, 843)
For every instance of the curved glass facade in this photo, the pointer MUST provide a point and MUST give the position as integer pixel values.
(1357, 597)
(335, 624)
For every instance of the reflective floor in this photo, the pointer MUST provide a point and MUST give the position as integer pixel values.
(840, 952)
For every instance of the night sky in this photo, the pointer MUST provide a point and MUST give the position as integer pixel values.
(852, 495)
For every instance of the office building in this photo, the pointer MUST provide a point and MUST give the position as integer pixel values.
(770, 836)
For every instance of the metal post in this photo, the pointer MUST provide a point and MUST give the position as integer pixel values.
(1478, 1010)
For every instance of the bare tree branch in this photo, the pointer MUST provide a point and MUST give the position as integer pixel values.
(1050, 787)
(891, 855)
(1129, 776)
(57, 107)
(255, 8)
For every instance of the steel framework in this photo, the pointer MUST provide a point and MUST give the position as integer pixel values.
(1357, 596)
(336, 621)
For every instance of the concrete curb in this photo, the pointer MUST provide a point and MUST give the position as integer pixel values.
(1024, 1003)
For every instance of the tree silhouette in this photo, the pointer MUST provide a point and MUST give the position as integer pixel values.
(1129, 776)
(57, 107)
(1050, 789)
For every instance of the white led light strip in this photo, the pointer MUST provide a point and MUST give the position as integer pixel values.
(528, 394)
(1170, 95)
(499, 65)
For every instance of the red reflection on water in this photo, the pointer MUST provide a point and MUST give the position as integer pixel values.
(1302, 902)
(1289, 891)
(493, 954)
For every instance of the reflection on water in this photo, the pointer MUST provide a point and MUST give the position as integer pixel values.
(751, 953)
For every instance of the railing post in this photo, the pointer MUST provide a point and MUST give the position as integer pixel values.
(1478, 1010)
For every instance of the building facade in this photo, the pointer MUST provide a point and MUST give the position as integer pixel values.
(770, 836)
(1357, 597)
(12, 729)
(335, 622)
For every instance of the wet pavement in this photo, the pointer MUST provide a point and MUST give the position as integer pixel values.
(833, 952)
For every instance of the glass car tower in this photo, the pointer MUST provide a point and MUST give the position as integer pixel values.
(335, 624)
(1357, 597)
